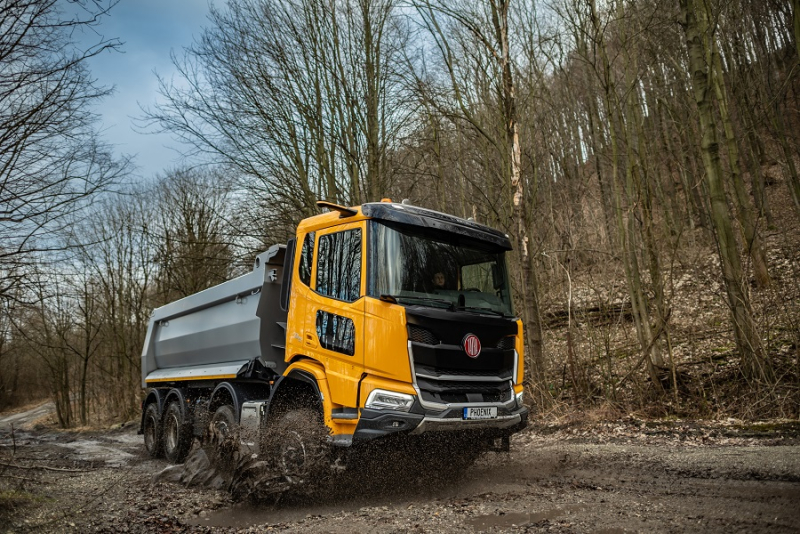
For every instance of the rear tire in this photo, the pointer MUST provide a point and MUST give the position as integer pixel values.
(177, 433)
(153, 442)
(224, 421)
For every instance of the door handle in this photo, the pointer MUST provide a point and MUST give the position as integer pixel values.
(310, 340)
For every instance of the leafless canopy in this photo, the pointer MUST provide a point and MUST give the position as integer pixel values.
(300, 97)
(52, 162)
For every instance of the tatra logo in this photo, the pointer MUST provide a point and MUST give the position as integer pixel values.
(472, 345)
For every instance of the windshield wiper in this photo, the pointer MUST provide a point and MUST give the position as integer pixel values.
(480, 309)
(394, 299)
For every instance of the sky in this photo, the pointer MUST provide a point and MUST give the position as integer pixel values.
(148, 30)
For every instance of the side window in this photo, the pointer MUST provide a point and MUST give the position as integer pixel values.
(306, 259)
(336, 333)
(339, 265)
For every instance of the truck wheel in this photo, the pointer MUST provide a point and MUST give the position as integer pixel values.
(177, 433)
(301, 448)
(152, 431)
(224, 420)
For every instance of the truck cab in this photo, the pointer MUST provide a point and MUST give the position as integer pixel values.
(404, 317)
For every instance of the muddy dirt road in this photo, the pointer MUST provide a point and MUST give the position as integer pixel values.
(618, 477)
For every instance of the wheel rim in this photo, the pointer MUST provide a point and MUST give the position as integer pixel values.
(150, 433)
(222, 428)
(171, 432)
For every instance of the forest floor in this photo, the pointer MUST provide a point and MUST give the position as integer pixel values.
(622, 476)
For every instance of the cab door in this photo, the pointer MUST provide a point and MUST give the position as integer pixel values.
(334, 322)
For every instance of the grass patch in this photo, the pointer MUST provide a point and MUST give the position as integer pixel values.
(12, 500)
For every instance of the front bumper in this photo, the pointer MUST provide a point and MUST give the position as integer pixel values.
(380, 423)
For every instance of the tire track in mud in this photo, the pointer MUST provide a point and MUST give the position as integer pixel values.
(547, 483)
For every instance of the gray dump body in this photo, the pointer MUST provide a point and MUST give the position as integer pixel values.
(219, 331)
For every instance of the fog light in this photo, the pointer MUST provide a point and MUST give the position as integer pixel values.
(519, 398)
(380, 399)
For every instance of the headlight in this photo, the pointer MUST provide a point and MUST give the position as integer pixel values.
(380, 399)
(519, 398)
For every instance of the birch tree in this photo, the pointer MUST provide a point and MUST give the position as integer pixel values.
(489, 26)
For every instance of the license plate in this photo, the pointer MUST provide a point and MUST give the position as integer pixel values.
(480, 413)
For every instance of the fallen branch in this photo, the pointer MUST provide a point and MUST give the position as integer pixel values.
(15, 477)
(45, 468)
(603, 314)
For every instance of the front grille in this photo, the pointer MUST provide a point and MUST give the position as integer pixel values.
(457, 386)
(463, 398)
(462, 392)
(444, 374)
(507, 343)
(417, 334)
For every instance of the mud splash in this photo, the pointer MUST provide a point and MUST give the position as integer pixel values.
(226, 461)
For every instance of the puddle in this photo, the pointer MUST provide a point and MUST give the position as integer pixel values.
(130, 439)
(512, 519)
(115, 451)
(248, 516)
(94, 450)
(20, 438)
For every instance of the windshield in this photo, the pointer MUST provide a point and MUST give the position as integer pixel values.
(419, 269)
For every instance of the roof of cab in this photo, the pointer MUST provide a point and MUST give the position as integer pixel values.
(426, 220)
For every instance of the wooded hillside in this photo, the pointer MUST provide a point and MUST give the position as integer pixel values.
(642, 155)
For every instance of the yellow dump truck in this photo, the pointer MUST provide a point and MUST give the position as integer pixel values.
(376, 323)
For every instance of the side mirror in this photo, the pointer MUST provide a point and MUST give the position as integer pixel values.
(288, 265)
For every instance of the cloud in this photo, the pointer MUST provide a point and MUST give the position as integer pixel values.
(149, 30)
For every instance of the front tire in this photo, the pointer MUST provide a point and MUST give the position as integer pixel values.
(301, 449)
(177, 433)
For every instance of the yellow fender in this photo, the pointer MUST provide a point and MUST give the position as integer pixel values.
(312, 371)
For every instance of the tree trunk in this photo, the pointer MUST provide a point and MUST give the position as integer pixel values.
(375, 188)
(602, 180)
(698, 43)
(757, 155)
(796, 20)
(519, 207)
(626, 204)
(746, 218)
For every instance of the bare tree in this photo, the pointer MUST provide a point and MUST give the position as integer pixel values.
(481, 31)
(9, 380)
(193, 239)
(699, 33)
(52, 162)
(297, 97)
(117, 253)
